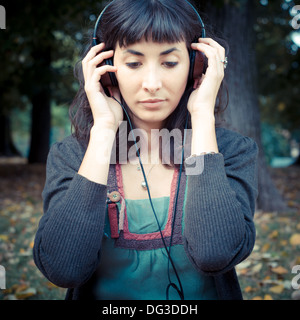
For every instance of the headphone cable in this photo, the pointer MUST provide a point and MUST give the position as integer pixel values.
(179, 291)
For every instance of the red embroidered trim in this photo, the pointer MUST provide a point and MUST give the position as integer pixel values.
(148, 236)
(113, 220)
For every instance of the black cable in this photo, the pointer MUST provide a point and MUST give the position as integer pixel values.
(179, 291)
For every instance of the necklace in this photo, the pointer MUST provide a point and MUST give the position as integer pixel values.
(143, 183)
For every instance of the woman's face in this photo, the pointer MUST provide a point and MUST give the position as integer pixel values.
(152, 78)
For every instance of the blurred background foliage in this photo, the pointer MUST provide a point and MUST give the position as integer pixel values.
(58, 31)
(278, 68)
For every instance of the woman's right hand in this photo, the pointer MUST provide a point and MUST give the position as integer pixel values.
(106, 111)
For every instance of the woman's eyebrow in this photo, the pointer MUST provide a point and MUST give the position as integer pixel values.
(137, 53)
(164, 53)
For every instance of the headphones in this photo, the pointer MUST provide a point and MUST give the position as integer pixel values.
(197, 59)
(197, 67)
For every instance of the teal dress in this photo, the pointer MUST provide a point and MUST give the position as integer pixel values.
(134, 263)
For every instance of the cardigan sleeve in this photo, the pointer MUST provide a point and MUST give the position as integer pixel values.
(219, 230)
(68, 239)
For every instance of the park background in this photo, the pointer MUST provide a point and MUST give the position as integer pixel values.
(39, 48)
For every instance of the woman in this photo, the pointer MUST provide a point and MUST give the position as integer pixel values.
(100, 235)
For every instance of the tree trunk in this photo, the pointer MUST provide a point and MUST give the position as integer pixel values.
(242, 114)
(7, 147)
(41, 110)
(40, 128)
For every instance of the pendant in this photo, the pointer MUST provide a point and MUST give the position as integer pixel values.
(144, 186)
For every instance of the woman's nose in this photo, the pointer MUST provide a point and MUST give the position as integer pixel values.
(152, 80)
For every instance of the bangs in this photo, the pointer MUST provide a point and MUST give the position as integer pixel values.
(159, 27)
(150, 20)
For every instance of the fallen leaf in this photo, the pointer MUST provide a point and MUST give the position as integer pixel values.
(21, 287)
(248, 289)
(257, 268)
(265, 247)
(297, 261)
(295, 239)
(277, 289)
(26, 294)
(268, 297)
(257, 298)
(279, 270)
(272, 281)
(273, 264)
(4, 237)
(243, 272)
(283, 243)
(291, 203)
(266, 256)
(245, 264)
(284, 219)
(273, 234)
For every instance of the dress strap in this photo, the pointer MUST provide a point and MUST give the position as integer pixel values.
(116, 219)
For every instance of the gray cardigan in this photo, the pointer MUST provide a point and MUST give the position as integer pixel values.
(219, 230)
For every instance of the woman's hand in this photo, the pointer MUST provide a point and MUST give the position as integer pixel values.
(203, 98)
(106, 111)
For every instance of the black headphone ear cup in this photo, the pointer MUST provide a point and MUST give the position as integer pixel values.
(109, 79)
(197, 65)
(200, 65)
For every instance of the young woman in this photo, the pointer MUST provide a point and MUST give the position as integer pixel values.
(100, 235)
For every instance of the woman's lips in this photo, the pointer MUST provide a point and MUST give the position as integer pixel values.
(152, 103)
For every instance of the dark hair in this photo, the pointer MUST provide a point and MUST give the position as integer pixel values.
(128, 21)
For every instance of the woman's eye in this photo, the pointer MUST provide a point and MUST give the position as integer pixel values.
(170, 64)
(133, 65)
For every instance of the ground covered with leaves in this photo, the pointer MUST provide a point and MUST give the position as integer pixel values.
(265, 275)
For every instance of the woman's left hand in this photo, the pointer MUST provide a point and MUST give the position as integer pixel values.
(203, 98)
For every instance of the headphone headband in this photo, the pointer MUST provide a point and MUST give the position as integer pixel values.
(203, 35)
(97, 23)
